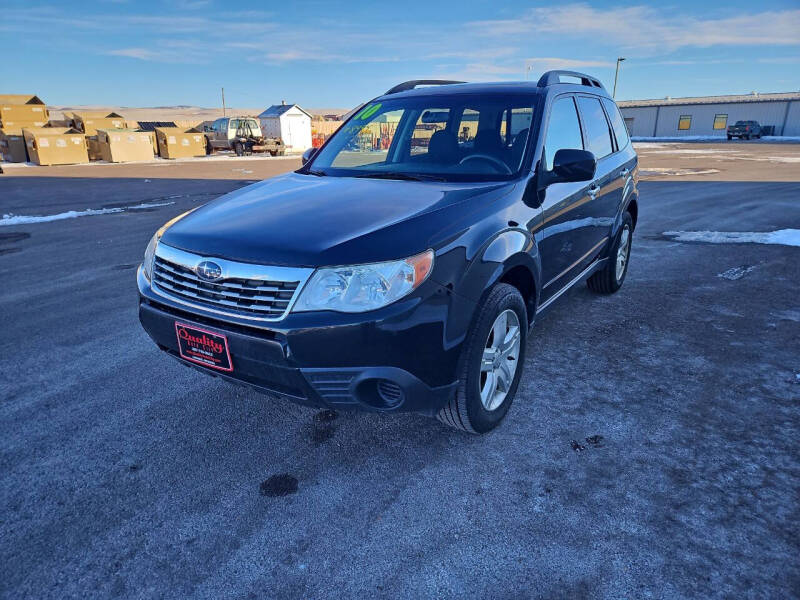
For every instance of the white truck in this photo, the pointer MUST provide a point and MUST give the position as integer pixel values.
(242, 135)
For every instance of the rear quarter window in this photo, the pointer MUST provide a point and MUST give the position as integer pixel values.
(617, 123)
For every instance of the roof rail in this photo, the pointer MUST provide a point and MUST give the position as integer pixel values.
(552, 77)
(410, 85)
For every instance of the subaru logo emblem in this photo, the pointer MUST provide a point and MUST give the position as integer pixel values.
(208, 270)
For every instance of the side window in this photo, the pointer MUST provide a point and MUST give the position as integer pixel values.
(598, 134)
(720, 121)
(563, 130)
(620, 131)
(684, 122)
(217, 125)
(513, 121)
(468, 127)
(429, 122)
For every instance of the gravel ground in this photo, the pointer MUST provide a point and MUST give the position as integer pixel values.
(651, 451)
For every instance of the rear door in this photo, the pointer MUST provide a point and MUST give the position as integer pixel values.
(605, 192)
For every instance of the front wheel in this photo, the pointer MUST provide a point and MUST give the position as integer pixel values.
(611, 277)
(238, 148)
(491, 363)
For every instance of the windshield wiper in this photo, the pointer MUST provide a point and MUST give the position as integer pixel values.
(315, 172)
(399, 175)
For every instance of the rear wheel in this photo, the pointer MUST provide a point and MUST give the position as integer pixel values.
(491, 363)
(609, 279)
(730, 137)
(238, 148)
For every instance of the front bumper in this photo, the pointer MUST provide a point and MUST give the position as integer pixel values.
(394, 359)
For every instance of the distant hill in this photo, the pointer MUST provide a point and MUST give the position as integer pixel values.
(178, 113)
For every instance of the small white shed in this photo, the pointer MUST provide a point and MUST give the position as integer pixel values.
(290, 123)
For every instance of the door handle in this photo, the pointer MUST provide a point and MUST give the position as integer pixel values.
(624, 172)
(593, 189)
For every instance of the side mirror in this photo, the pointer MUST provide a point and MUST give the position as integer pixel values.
(572, 165)
(308, 155)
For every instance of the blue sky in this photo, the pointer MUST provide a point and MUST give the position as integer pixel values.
(324, 54)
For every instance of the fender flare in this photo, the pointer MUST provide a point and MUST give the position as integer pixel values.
(507, 250)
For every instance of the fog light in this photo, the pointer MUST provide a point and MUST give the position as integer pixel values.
(389, 392)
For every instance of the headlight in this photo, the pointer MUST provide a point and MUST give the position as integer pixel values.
(360, 288)
(150, 251)
(150, 255)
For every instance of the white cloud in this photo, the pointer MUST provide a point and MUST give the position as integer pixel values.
(140, 53)
(648, 28)
(478, 50)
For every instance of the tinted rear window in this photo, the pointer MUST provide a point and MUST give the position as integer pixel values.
(598, 135)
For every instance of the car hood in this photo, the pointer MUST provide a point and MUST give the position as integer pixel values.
(304, 220)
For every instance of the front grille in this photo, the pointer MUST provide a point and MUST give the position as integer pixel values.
(242, 292)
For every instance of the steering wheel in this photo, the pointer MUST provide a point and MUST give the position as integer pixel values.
(488, 158)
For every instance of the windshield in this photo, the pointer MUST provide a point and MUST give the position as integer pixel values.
(445, 138)
(248, 128)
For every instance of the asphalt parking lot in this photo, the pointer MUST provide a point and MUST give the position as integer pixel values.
(652, 450)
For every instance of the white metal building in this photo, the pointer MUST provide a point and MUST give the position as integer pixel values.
(290, 123)
(711, 115)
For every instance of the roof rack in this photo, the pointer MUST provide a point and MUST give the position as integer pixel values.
(410, 85)
(553, 77)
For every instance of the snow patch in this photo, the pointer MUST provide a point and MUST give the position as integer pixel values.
(158, 161)
(784, 237)
(10, 219)
(694, 151)
(735, 273)
(682, 138)
(710, 138)
(675, 171)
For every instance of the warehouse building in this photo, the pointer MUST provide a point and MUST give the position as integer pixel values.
(711, 115)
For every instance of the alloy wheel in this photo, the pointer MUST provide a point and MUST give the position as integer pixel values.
(500, 359)
(623, 251)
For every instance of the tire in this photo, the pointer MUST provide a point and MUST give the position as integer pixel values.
(730, 137)
(238, 148)
(467, 411)
(607, 281)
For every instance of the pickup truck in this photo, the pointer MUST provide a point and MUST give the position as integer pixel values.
(242, 135)
(744, 130)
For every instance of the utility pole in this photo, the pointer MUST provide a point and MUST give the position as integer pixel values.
(223, 101)
(616, 75)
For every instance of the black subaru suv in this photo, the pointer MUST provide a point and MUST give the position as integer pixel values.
(401, 268)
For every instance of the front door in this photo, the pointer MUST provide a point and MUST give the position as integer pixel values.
(565, 213)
